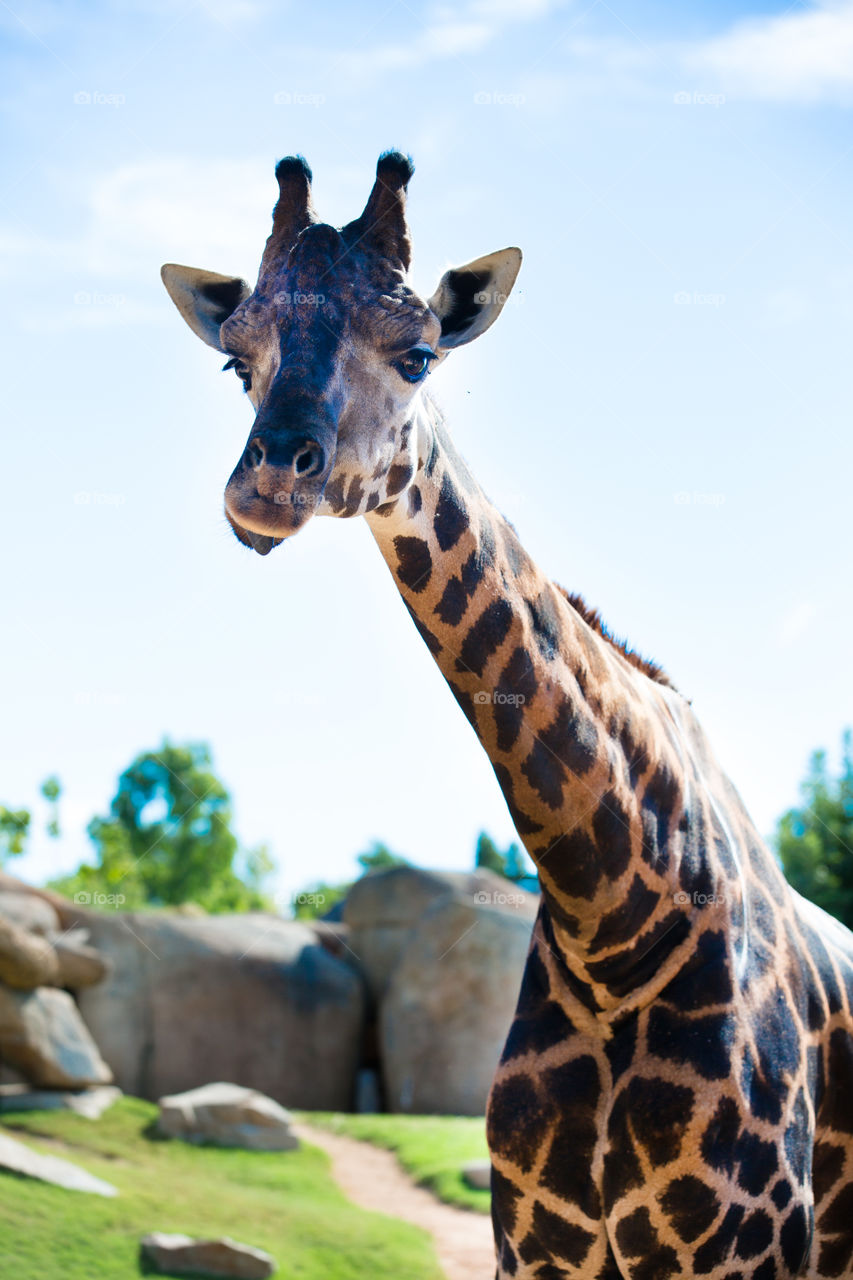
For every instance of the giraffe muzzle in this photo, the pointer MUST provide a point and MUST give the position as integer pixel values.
(278, 485)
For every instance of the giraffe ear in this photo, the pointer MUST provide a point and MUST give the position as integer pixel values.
(204, 298)
(469, 299)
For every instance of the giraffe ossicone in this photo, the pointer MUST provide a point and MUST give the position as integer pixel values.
(675, 1097)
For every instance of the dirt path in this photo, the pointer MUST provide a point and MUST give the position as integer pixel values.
(372, 1179)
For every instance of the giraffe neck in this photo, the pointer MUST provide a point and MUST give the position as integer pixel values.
(584, 746)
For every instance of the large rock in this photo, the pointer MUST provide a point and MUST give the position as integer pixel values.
(384, 907)
(27, 960)
(10, 1078)
(449, 1004)
(43, 1035)
(250, 998)
(21, 1160)
(79, 964)
(227, 1115)
(27, 910)
(181, 1255)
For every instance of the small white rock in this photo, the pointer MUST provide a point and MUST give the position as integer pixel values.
(179, 1255)
(478, 1174)
(15, 1157)
(227, 1115)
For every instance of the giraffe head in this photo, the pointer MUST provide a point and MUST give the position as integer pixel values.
(333, 346)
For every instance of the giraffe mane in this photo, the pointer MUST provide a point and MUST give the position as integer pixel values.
(593, 619)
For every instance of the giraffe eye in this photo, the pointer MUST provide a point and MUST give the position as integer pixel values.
(414, 365)
(241, 369)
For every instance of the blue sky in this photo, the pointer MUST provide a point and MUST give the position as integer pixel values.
(662, 408)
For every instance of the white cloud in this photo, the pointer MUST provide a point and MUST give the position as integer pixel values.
(447, 39)
(225, 11)
(800, 56)
(237, 11)
(211, 214)
(451, 32)
(511, 10)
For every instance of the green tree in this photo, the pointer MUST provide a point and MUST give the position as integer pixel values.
(513, 863)
(518, 864)
(489, 855)
(168, 839)
(815, 840)
(15, 824)
(51, 790)
(379, 858)
(317, 900)
(14, 829)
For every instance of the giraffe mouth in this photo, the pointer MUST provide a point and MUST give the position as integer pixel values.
(267, 504)
(263, 543)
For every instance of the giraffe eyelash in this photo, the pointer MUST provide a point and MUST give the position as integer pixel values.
(240, 369)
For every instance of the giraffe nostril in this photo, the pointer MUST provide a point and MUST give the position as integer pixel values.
(255, 454)
(301, 459)
(309, 461)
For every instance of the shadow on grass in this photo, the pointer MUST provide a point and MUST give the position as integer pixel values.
(148, 1269)
(152, 1134)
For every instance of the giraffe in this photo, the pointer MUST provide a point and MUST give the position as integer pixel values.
(675, 1096)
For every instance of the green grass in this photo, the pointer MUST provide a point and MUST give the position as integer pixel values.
(431, 1148)
(285, 1203)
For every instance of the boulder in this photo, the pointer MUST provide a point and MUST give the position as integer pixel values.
(44, 911)
(9, 1076)
(251, 998)
(181, 1255)
(450, 1002)
(478, 1174)
(27, 910)
(21, 1160)
(227, 1115)
(333, 937)
(43, 1035)
(91, 1103)
(27, 960)
(382, 909)
(79, 964)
